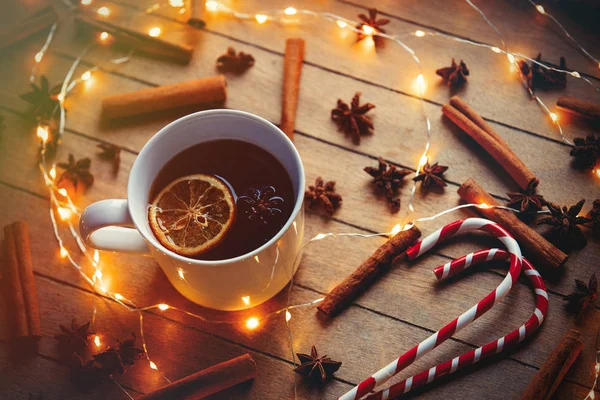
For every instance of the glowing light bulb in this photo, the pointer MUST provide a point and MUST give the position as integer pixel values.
(96, 256)
(63, 252)
(163, 307)
(575, 74)
(42, 133)
(181, 273)
(97, 341)
(423, 160)
(38, 56)
(246, 300)
(553, 117)
(397, 228)
(212, 5)
(153, 366)
(86, 2)
(252, 323)
(496, 50)
(60, 97)
(288, 316)
(484, 206)
(511, 58)
(368, 30)
(290, 11)
(261, 18)
(176, 3)
(61, 191)
(103, 11)
(104, 36)
(97, 275)
(182, 11)
(419, 33)
(320, 236)
(341, 24)
(64, 213)
(86, 76)
(597, 171)
(52, 173)
(155, 31)
(118, 296)
(421, 84)
(540, 9)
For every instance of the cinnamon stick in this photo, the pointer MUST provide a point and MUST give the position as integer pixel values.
(154, 46)
(20, 282)
(30, 25)
(579, 107)
(201, 91)
(292, 69)
(497, 148)
(345, 292)
(537, 249)
(471, 114)
(208, 381)
(196, 11)
(547, 379)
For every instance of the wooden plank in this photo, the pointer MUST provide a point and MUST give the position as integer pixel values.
(323, 265)
(492, 87)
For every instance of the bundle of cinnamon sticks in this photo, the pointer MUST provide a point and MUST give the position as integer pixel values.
(19, 283)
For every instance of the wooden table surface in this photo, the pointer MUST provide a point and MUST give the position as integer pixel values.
(404, 306)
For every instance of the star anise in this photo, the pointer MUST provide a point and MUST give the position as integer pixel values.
(565, 233)
(431, 175)
(583, 295)
(261, 205)
(73, 339)
(315, 367)
(234, 62)
(128, 352)
(352, 119)
(586, 151)
(323, 193)
(539, 77)
(594, 217)
(43, 99)
(374, 23)
(111, 153)
(109, 362)
(454, 75)
(388, 178)
(76, 172)
(527, 201)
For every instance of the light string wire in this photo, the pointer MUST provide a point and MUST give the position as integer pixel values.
(65, 209)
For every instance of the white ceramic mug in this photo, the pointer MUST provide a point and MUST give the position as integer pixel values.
(233, 284)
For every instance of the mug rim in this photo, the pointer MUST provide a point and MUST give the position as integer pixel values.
(298, 204)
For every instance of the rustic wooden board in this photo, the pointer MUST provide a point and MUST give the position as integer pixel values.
(389, 317)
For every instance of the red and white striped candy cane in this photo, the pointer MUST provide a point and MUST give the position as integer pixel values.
(469, 224)
(504, 343)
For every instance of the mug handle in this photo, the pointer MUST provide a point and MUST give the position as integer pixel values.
(107, 225)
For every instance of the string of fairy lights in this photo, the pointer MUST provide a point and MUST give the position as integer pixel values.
(63, 209)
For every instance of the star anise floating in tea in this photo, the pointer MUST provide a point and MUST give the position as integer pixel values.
(527, 201)
(73, 339)
(583, 295)
(565, 233)
(352, 119)
(76, 172)
(594, 217)
(322, 193)
(262, 205)
(43, 99)
(373, 25)
(315, 367)
(455, 74)
(431, 175)
(586, 152)
(388, 178)
(539, 77)
(234, 62)
(112, 153)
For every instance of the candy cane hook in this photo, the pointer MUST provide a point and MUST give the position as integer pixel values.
(502, 344)
(496, 295)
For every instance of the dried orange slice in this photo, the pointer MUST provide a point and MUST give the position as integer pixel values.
(192, 214)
